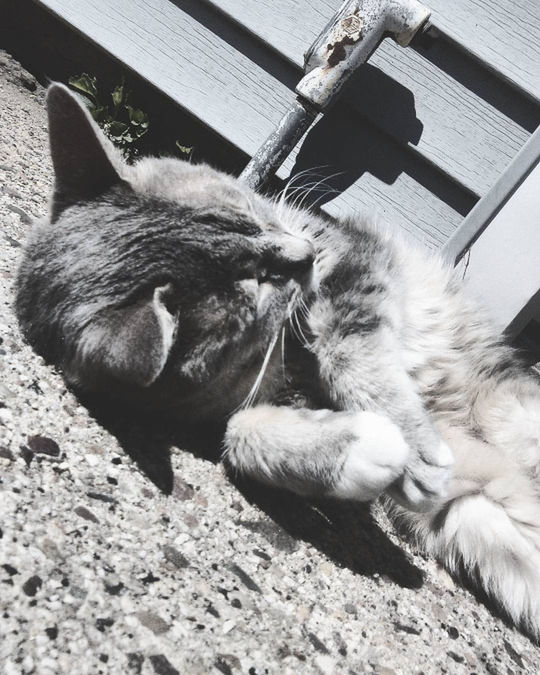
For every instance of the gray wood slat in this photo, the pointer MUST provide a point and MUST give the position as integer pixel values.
(232, 92)
(505, 34)
(460, 120)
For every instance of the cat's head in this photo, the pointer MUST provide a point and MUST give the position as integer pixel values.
(162, 279)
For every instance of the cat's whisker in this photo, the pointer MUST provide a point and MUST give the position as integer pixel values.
(301, 336)
(283, 370)
(248, 401)
(286, 191)
(327, 189)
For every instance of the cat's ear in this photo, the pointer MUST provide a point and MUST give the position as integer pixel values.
(82, 166)
(131, 343)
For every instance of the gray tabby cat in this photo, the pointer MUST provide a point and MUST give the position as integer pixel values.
(175, 286)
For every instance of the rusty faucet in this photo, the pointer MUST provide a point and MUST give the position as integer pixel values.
(346, 42)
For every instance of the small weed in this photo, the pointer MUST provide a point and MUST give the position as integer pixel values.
(121, 122)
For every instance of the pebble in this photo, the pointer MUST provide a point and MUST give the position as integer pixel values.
(153, 622)
(85, 513)
(42, 445)
(32, 585)
(228, 626)
(162, 665)
(174, 556)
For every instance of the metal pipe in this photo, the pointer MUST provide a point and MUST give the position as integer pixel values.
(273, 152)
(345, 43)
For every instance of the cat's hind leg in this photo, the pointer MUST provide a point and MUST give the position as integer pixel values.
(488, 528)
(507, 414)
(348, 455)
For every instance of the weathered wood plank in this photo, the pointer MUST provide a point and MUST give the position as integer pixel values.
(375, 175)
(464, 121)
(227, 83)
(505, 35)
(502, 34)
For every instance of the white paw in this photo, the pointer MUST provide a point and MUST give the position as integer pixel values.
(424, 484)
(374, 458)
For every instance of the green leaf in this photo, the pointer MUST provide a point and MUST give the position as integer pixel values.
(118, 94)
(117, 129)
(85, 84)
(184, 149)
(100, 114)
(137, 117)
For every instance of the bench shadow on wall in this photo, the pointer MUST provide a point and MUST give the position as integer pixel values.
(343, 144)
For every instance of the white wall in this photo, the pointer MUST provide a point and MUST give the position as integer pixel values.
(504, 264)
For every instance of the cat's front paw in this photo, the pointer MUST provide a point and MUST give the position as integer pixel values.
(372, 459)
(424, 483)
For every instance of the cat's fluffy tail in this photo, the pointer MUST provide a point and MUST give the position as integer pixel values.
(493, 536)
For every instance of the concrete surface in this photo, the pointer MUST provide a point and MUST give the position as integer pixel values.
(125, 557)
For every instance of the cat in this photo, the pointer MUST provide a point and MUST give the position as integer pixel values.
(346, 363)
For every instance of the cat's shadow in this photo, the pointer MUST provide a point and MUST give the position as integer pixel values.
(344, 531)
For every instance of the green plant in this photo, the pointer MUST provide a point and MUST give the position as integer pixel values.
(121, 122)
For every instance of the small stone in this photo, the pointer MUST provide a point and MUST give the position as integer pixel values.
(222, 666)
(174, 556)
(162, 665)
(453, 633)
(114, 589)
(455, 657)
(405, 629)
(99, 496)
(52, 632)
(50, 548)
(135, 662)
(262, 554)
(85, 513)
(319, 646)
(32, 585)
(153, 622)
(513, 654)
(228, 663)
(350, 609)
(244, 577)
(182, 490)
(228, 626)
(10, 569)
(41, 445)
(104, 622)
(149, 579)
(27, 455)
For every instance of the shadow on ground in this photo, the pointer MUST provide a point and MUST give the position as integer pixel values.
(345, 531)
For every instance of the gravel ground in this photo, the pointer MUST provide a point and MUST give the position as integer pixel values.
(125, 556)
